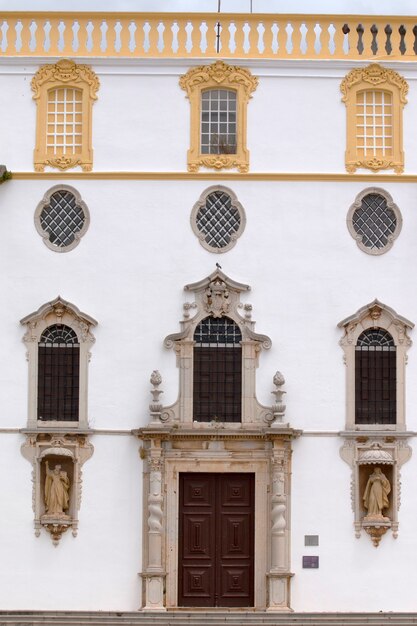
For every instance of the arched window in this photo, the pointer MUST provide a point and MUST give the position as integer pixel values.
(219, 96)
(375, 378)
(217, 371)
(58, 374)
(375, 343)
(375, 97)
(58, 340)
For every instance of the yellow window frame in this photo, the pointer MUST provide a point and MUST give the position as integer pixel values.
(375, 78)
(218, 75)
(65, 74)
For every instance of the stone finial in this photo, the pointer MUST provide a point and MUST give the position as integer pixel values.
(278, 407)
(155, 406)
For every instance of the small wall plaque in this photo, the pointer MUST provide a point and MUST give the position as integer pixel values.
(311, 540)
(310, 562)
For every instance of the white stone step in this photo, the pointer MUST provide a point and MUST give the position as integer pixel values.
(202, 618)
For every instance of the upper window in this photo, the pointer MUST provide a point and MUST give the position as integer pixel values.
(374, 221)
(375, 343)
(64, 94)
(62, 218)
(218, 219)
(219, 95)
(217, 371)
(218, 121)
(58, 340)
(374, 97)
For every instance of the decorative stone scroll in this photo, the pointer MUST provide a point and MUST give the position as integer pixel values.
(56, 461)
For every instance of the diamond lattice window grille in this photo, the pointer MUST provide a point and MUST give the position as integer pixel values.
(374, 221)
(218, 219)
(62, 218)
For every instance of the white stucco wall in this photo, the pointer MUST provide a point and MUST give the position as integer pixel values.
(128, 272)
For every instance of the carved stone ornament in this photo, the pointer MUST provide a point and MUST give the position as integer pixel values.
(374, 75)
(362, 79)
(218, 75)
(375, 462)
(65, 71)
(57, 480)
(222, 75)
(217, 298)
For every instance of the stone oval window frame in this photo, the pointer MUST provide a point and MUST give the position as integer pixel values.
(390, 205)
(45, 202)
(201, 203)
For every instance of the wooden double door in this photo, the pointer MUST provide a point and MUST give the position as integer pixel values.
(216, 540)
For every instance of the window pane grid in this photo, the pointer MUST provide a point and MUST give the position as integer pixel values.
(218, 121)
(374, 123)
(217, 371)
(62, 218)
(374, 221)
(64, 121)
(375, 378)
(218, 219)
(58, 374)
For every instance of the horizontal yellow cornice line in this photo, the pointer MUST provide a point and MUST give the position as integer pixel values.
(216, 176)
(201, 15)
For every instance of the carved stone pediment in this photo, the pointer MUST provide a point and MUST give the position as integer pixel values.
(218, 296)
(59, 311)
(375, 314)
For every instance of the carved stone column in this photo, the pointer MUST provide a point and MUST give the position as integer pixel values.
(279, 575)
(155, 571)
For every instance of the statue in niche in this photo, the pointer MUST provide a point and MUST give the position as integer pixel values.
(57, 486)
(375, 497)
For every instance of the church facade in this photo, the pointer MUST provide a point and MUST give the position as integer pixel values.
(207, 397)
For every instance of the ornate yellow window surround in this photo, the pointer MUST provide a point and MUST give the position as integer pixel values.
(64, 94)
(230, 78)
(375, 97)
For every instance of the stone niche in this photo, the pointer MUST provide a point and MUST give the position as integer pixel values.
(57, 478)
(175, 443)
(375, 459)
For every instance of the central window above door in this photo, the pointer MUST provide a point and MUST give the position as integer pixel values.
(217, 371)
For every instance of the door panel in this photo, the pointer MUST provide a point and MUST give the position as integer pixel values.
(216, 540)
